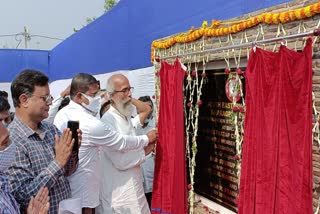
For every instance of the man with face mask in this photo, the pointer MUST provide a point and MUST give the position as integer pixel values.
(39, 204)
(122, 189)
(96, 137)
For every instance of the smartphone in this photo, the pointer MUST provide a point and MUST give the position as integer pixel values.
(74, 126)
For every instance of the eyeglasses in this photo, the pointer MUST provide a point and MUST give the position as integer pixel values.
(45, 98)
(125, 90)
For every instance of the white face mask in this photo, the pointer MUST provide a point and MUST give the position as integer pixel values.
(94, 104)
(7, 156)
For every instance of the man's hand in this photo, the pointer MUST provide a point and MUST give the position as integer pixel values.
(40, 204)
(79, 137)
(152, 135)
(63, 147)
(149, 148)
(65, 92)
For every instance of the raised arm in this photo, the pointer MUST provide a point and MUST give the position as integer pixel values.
(143, 109)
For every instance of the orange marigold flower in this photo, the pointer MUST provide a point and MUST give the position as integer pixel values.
(312, 9)
(225, 31)
(206, 32)
(220, 31)
(287, 16)
(237, 28)
(317, 7)
(292, 15)
(215, 32)
(302, 14)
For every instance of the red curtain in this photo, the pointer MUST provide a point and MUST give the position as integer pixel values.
(276, 171)
(169, 188)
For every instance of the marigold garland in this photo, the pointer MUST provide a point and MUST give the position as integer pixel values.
(212, 30)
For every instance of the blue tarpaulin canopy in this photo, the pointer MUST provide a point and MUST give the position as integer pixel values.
(121, 39)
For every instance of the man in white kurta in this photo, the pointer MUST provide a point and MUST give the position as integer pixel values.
(96, 136)
(122, 189)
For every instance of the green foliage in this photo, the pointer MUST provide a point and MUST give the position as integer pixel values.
(109, 4)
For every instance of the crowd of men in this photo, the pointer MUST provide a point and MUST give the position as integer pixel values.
(109, 170)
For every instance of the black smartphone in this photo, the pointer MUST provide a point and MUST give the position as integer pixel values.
(74, 126)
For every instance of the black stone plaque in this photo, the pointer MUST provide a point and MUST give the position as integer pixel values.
(216, 171)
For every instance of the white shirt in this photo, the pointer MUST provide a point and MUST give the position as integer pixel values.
(85, 182)
(122, 190)
(53, 109)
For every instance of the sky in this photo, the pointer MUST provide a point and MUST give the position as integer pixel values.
(49, 18)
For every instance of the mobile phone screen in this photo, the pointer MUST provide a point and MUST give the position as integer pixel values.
(74, 126)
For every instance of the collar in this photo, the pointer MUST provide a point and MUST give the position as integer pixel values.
(27, 131)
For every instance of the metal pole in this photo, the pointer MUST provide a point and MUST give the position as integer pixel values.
(315, 32)
(26, 37)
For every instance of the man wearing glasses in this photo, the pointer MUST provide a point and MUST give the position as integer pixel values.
(121, 183)
(44, 156)
(96, 137)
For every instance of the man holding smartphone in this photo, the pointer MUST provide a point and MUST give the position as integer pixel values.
(96, 137)
(44, 157)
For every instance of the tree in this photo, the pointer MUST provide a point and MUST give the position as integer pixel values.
(108, 5)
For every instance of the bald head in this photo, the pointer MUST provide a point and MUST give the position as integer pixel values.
(115, 83)
(119, 92)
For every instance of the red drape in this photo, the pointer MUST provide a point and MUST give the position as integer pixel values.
(169, 187)
(276, 170)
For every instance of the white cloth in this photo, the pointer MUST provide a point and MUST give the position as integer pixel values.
(122, 189)
(147, 167)
(70, 206)
(54, 107)
(85, 182)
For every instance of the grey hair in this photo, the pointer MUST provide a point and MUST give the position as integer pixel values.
(110, 87)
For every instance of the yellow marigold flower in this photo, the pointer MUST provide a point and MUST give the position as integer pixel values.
(204, 24)
(297, 13)
(307, 11)
(275, 18)
(260, 18)
(268, 18)
(225, 31)
(282, 17)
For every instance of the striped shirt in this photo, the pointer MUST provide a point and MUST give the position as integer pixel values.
(8, 204)
(35, 165)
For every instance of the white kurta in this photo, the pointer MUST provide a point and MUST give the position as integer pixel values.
(122, 190)
(85, 182)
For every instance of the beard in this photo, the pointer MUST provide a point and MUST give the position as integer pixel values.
(124, 107)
